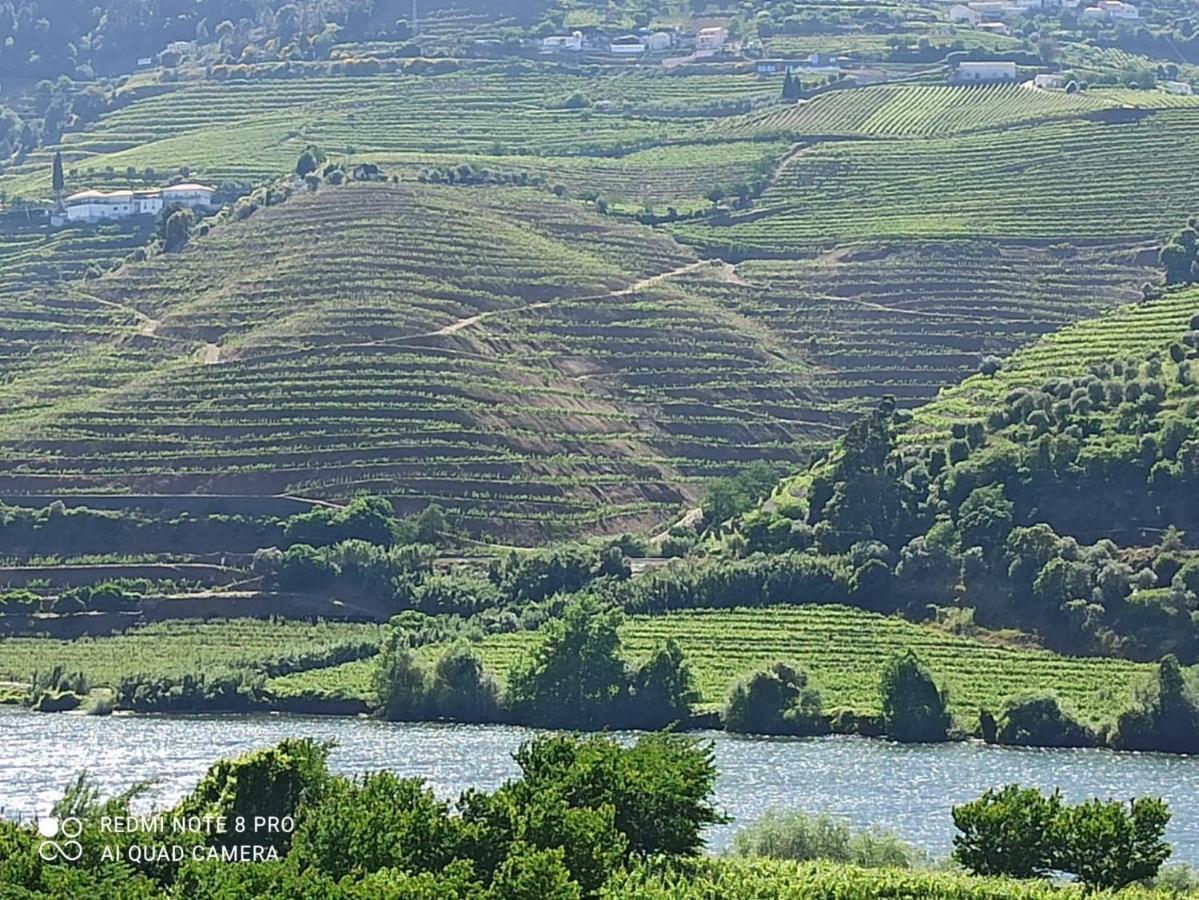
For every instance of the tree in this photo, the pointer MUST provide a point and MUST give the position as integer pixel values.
(460, 690)
(279, 781)
(663, 689)
(57, 180)
(1109, 844)
(1009, 832)
(777, 700)
(913, 707)
(309, 159)
(659, 789)
(401, 683)
(574, 677)
(177, 230)
(528, 872)
(1163, 715)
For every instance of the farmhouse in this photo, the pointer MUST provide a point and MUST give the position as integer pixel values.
(1112, 10)
(986, 72)
(627, 45)
(1179, 87)
(561, 43)
(659, 40)
(1047, 81)
(98, 206)
(711, 38)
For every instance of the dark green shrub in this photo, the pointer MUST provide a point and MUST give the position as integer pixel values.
(1040, 721)
(777, 700)
(914, 709)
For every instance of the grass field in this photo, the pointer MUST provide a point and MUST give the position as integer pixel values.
(843, 648)
(183, 647)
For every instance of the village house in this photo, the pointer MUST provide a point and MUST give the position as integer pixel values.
(711, 39)
(561, 43)
(1049, 81)
(1112, 11)
(994, 27)
(101, 206)
(659, 40)
(988, 72)
(1179, 87)
(627, 45)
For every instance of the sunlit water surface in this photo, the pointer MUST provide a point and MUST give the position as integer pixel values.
(909, 788)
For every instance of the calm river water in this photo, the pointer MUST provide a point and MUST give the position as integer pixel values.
(867, 782)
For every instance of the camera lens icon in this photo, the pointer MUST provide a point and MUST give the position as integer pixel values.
(50, 828)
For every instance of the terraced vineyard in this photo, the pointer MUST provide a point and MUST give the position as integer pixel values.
(1130, 331)
(186, 648)
(265, 124)
(499, 352)
(843, 648)
(925, 110)
(909, 319)
(1026, 183)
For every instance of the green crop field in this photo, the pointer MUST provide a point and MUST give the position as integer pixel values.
(187, 647)
(843, 648)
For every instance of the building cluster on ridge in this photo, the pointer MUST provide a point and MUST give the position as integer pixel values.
(105, 206)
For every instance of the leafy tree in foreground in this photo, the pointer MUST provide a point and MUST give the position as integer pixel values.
(1108, 844)
(1008, 832)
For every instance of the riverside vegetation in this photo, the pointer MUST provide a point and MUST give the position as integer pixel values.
(586, 818)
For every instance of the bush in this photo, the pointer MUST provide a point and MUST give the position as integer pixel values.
(1040, 721)
(800, 837)
(777, 700)
(663, 690)
(914, 709)
(1162, 715)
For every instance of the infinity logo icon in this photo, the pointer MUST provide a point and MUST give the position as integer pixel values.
(50, 849)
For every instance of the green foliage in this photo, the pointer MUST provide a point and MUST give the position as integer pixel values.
(1162, 715)
(662, 689)
(777, 700)
(1040, 720)
(1008, 832)
(1020, 833)
(365, 518)
(728, 497)
(914, 708)
(1111, 844)
(800, 837)
(574, 677)
(277, 782)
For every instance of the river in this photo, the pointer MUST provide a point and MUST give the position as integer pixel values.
(909, 788)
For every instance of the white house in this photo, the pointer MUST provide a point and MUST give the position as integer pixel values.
(193, 196)
(1047, 81)
(711, 38)
(961, 13)
(1113, 11)
(659, 40)
(627, 45)
(986, 72)
(98, 206)
(559, 43)
(993, 27)
(1179, 87)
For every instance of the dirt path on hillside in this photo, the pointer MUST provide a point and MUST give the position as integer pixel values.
(146, 325)
(642, 284)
